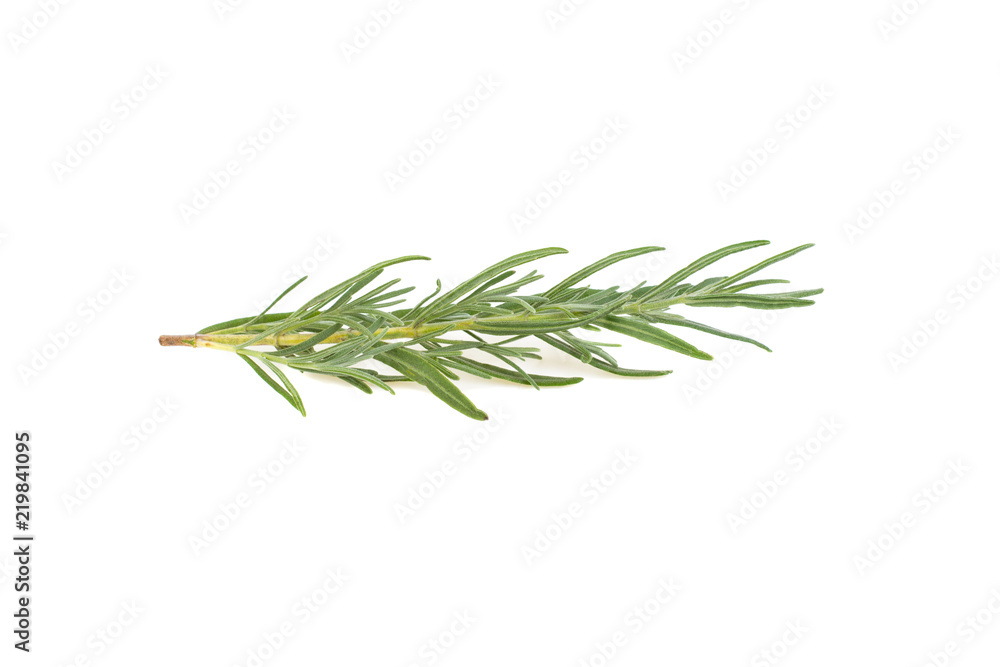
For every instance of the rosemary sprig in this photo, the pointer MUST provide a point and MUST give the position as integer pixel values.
(488, 314)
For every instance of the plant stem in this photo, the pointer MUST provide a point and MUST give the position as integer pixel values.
(228, 342)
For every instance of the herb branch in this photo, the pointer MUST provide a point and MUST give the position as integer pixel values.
(488, 314)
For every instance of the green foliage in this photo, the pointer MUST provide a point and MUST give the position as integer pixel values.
(335, 332)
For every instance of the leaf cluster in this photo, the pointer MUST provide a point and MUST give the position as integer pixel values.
(489, 314)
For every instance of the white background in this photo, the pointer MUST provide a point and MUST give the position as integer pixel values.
(704, 439)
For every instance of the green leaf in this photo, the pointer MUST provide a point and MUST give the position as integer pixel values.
(344, 372)
(698, 265)
(679, 321)
(757, 301)
(409, 313)
(598, 363)
(293, 399)
(289, 387)
(753, 283)
(481, 277)
(280, 297)
(490, 371)
(332, 293)
(418, 369)
(588, 271)
(649, 334)
(240, 322)
(357, 384)
(763, 265)
(358, 285)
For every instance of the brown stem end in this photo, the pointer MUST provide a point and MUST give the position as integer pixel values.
(168, 341)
